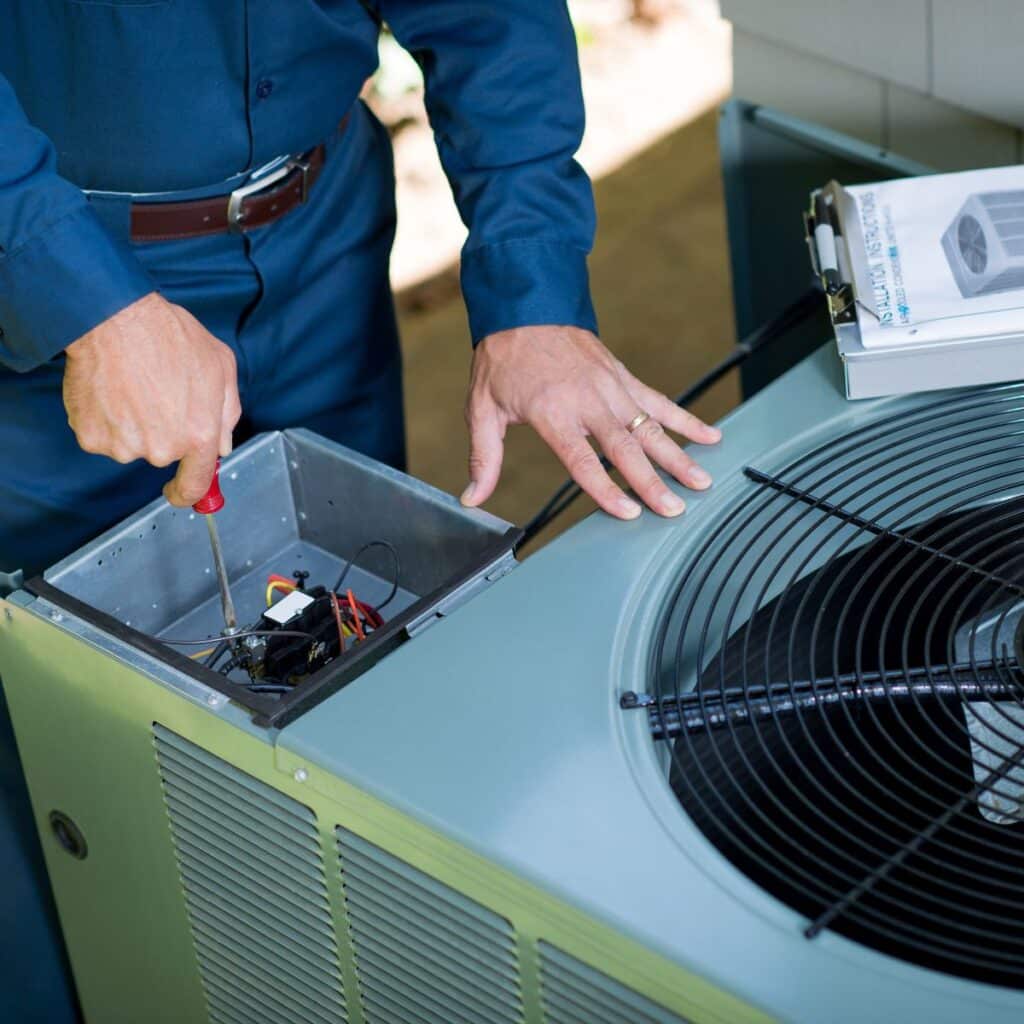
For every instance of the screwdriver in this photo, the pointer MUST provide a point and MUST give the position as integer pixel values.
(207, 506)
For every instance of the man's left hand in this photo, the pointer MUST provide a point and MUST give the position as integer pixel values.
(569, 387)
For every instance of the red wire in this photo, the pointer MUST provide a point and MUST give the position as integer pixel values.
(371, 614)
(337, 618)
(355, 615)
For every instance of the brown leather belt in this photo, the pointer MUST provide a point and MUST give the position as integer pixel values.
(253, 205)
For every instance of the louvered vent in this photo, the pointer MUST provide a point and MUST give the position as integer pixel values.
(573, 993)
(253, 875)
(425, 954)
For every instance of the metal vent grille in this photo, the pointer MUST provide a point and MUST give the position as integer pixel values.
(573, 993)
(424, 952)
(253, 875)
(840, 673)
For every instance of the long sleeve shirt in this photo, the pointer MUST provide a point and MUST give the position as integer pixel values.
(164, 95)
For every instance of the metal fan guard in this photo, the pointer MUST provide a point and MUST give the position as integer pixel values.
(821, 671)
(973, 245)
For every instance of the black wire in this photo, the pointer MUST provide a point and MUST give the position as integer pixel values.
(366, 547)
(216, 654)
(795, 313)
(237, 636)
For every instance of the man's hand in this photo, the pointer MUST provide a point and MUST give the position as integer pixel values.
(152, 383)
(568, 387)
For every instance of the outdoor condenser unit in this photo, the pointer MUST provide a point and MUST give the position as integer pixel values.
(985, 243)
(762, 762)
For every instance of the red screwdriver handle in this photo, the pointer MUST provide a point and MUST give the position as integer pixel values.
(213, 500)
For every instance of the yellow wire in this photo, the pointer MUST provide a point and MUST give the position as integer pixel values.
(274, 585)
(203, 654)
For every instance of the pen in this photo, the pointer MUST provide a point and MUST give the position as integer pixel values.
(825, 242)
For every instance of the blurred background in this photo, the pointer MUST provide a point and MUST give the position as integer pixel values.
(898, 78)
(654, 72)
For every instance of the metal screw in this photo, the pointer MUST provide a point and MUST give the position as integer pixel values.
(300, 775)
(56, 616)
(213, 700)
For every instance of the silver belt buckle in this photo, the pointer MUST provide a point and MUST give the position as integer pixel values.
(254, 186)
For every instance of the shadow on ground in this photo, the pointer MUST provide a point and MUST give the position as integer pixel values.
(660, 280)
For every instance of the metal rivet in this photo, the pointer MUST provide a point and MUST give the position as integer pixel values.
(234, 476)
(56, 616)
(213, 700)
(300, 775)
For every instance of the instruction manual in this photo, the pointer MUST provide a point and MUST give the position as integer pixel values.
(932, 265)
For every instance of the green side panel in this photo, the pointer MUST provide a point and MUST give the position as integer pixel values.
(424, 950)
(256, 891)
(573, 993)
(228, 882)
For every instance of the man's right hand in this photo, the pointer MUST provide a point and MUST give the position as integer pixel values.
(152, 383)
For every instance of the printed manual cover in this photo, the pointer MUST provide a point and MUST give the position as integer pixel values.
(938, 257)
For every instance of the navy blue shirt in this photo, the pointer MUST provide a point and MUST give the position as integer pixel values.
(162, 95)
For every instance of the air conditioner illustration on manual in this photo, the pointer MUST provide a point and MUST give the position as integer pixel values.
(985, 243)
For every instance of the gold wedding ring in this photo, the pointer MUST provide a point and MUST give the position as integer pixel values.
(637, 420)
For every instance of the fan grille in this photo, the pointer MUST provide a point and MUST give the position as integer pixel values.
(971, 238)
(837, 682)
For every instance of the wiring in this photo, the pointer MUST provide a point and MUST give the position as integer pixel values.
(278, 584)
(337, 618)
(241, 635)
(279, 663)
(355, 615)
(390, 548)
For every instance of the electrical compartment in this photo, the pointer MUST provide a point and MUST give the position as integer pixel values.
(301, 514)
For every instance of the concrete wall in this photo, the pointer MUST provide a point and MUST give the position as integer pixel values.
(940, 81)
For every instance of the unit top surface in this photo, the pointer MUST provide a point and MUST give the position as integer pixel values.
(503, 731)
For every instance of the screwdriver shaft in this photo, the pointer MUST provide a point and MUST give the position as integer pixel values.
(226, 603)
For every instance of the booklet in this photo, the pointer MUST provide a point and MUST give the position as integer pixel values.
(931, 273)
(936, 250)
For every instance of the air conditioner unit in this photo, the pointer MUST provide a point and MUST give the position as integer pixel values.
(985, 243)
(762, 762)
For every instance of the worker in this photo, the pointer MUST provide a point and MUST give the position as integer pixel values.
(196, 213)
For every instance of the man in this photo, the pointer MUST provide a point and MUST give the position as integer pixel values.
(195, 220)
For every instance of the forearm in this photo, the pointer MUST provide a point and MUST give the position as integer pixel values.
(504, 98)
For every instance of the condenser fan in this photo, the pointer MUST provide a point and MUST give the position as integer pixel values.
(970, 237)
(838, 683)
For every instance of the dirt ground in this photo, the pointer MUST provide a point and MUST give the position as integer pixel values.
(660, 280)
